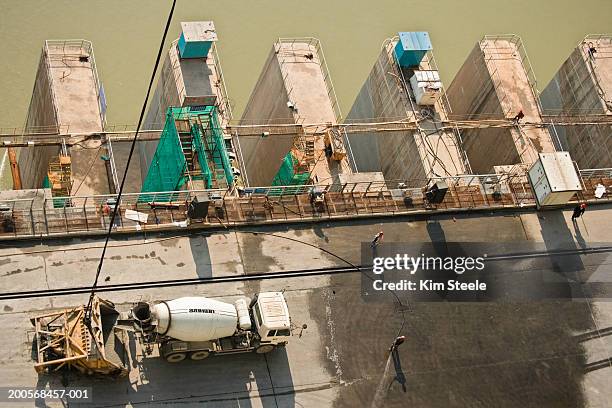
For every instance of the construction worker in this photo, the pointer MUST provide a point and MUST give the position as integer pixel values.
(520, 115)
(377, 239)
(578, 211)
(397, 342)
(592, 50)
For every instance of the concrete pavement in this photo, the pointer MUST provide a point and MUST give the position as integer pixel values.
(456, 354)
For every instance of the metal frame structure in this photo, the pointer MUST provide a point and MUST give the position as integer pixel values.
(197, 131)
(63, 341)
(167, 210)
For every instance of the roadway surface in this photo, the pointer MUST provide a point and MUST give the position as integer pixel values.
(528, 353)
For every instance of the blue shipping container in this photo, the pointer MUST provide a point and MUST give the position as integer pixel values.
(412, 47)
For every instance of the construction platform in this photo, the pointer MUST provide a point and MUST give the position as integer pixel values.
(581, 91)
(497, 82)
(67, 97)
(387, 96)
(189, 79)
(27, 217)
(294, 88)
(191, 153)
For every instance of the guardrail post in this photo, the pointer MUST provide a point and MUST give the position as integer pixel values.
(13, 220)
(225, 210)
(32, 218)
(45, 215)
(85, 214)
(65, 216)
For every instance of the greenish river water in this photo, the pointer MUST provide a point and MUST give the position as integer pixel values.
(126, 34)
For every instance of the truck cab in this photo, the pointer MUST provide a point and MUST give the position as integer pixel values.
(271, 316)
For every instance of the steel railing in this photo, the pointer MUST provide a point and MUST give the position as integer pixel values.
(47, 216)
(523, 58)
(77, 47)
(329, 86)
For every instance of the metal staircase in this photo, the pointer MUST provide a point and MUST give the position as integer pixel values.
(186, 140)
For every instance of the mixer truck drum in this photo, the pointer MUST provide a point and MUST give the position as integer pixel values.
(142, 315)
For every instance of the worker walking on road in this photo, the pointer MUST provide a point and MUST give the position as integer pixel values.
(377, 239)
(578, 211)
(399, 340)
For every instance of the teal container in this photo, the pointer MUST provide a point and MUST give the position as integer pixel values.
(196, 39)
(412, 47)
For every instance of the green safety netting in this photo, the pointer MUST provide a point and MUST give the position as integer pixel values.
(222, 158)
(286, 175)
(57, 202)
(199, 147)
(167, 169)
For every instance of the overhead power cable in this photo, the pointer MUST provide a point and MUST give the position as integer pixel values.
(127, 166)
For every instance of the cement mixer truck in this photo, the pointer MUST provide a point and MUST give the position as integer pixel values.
(187, 327)
(196, 327)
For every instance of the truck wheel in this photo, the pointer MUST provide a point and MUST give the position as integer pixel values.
(265, 348)
(176, 357)
(199, 355)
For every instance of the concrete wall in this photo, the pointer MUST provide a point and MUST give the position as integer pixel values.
(363, 145)
(165, 96)
(382, 98)
(582, 86)
(66, 96)
(267, 105)
(573, 89)
(400, 155)
(473, 94)
(493, 84)
(121, 151)
(33, 161)
(182, 82)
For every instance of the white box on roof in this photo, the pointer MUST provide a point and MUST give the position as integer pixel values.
(554, 179)
(426, 87)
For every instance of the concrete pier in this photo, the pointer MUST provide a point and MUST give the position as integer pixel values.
(187, 81)
(496, 82)
(294, 88)
(67, 97)
(386, 96)
(581, 91)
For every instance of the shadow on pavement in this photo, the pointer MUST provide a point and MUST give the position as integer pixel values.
(218, 381)
(201, 255)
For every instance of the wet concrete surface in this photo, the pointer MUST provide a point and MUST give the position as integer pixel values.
(456, 354)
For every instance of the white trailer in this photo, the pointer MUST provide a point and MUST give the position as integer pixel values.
(197, 327)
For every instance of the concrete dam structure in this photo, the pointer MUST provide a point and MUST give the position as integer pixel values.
(404, 84)
(497, 82)
(294, 88)
(191, 78)
(581, 90)
(67, 98)
(407, 144)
